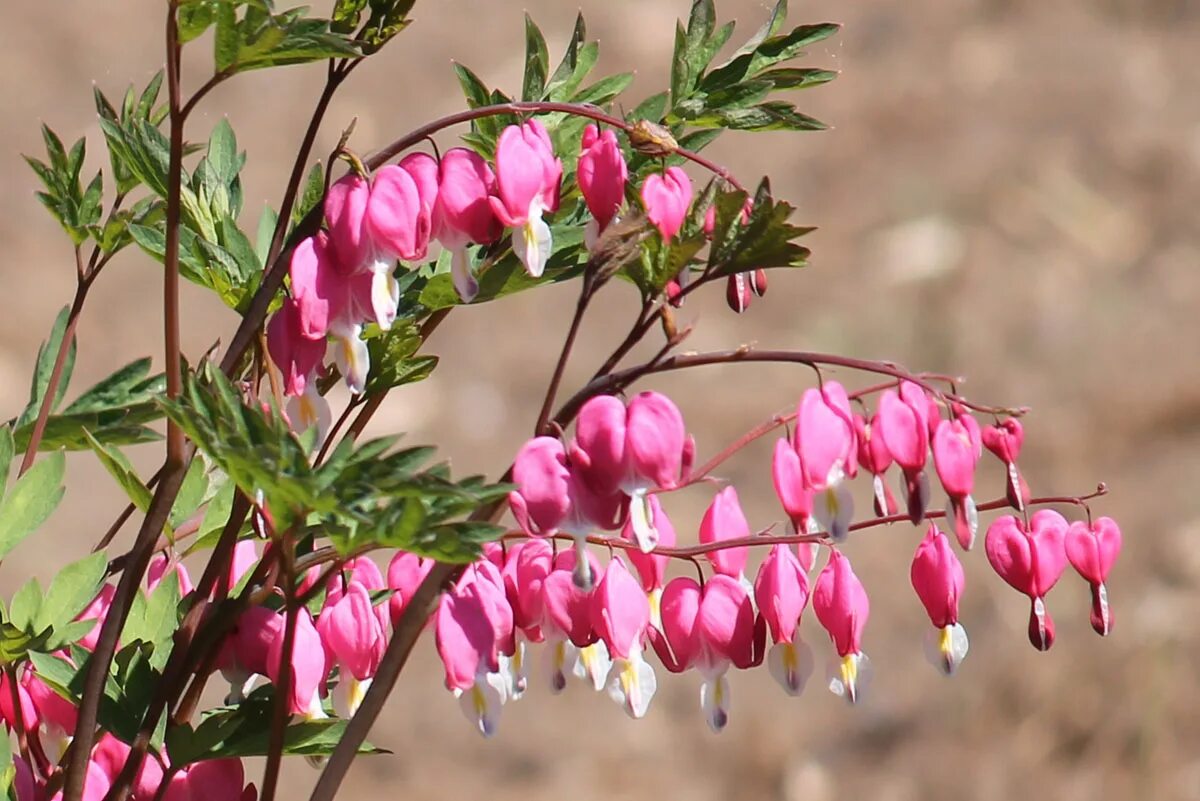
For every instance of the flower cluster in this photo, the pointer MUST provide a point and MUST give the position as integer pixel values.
(343, 277)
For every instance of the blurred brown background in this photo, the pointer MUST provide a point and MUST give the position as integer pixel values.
(1009, 192)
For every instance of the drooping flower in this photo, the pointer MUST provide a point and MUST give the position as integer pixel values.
(1031, 561)
(353, 635)
(666, 198)
(602, 174)
(710, 628)
(937, 577)
(405, 573)
(652, 568)
(725, 520)
(468, 645)
(903, 422)
(841, 604)
(1092, 550)
(528, 178)
(620, 615)
(463, 214)
(308, 665)
(781, 592)
(955, 458)
(875, 458)
(296, 355)
(1005, 440)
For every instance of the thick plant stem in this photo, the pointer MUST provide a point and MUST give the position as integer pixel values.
(283, 686)
(175, 465)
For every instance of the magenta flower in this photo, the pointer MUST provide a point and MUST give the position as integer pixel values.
(842, 607)
(725, 520)
(353, 635)
(1092, 549)
(528, 178)
(875, 458)
(297, 356)
(937, 577)
(903, 423)
(405, 573)
(781, 593)
(97, 610)
(1031, 561)
(309, 667)
(1005, 440)
(666, 199)
(160, 565)
(346, 205)
(620, 615)
(652, 568)
(469, 624)
(710, 628)
(955, 457)
(463, 213)
(602, 175)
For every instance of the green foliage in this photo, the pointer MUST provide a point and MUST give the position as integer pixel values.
(47, 621)
(76, 208)
(242, 731)
(44, 368)
(393, 358)
(360, 495)
(766, 240)
(31, 501)
(115, 411)
(249, 35)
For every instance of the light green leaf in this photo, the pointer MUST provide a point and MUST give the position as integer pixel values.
(71, 589)
(47, 354)
(32, 500)
(26, 602)
(537, 62)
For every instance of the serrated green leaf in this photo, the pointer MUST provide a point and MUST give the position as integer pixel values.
(33, 498)
(226, 40)
(161, 616)
(537, 62)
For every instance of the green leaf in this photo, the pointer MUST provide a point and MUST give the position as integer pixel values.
(32, 500)
(604, 90)
(160, 617)
(314, 193)
(70, 591)
(243, 731)
(7, 451)
(576, 64)
(47, 355)
(652, 108)
(226, 41)
(26, 603)
(266, 231)
(537, 62)
(797, 77)
(120, 469)
(191, 493)
(766, 240)
(194, 19)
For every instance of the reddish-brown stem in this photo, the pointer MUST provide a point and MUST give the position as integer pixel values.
(60, 360)
(615, 382)
(353, 404)
(18, 721)
(283, 685)
(585, 297)
(388, 152)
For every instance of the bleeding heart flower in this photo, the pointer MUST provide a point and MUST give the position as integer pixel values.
(620, 616)
(781, 592)
(666, 198)
(937, 577)
(463, 213)
(725, 520)
(1031, 561)
(955, 458)
(528, 178)
(602, 174)
(841, 604)
(903, 423)
(1005, 440)
(1092, 550)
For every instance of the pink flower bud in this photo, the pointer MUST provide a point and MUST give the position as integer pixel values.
(1005, 440)
(955, 458)
(542, 499)
(599, 450)
(405, 573)
(739, 292)
(841, 604)
(97, 610)
(296, 356)
(463, 213)
(398, 218)
(534, 560)
(666, 198)
(159, 566)
(1092, 551)
(724, 520)
(351, 632)
(655, 441)
(788, 477)
(346, 206)
(566, 608)
(308, 664)
(937, 577)
(825, 438)
(602, 174)
(527, 173)
(781, 592)
(620, 612)
(1031, 562)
